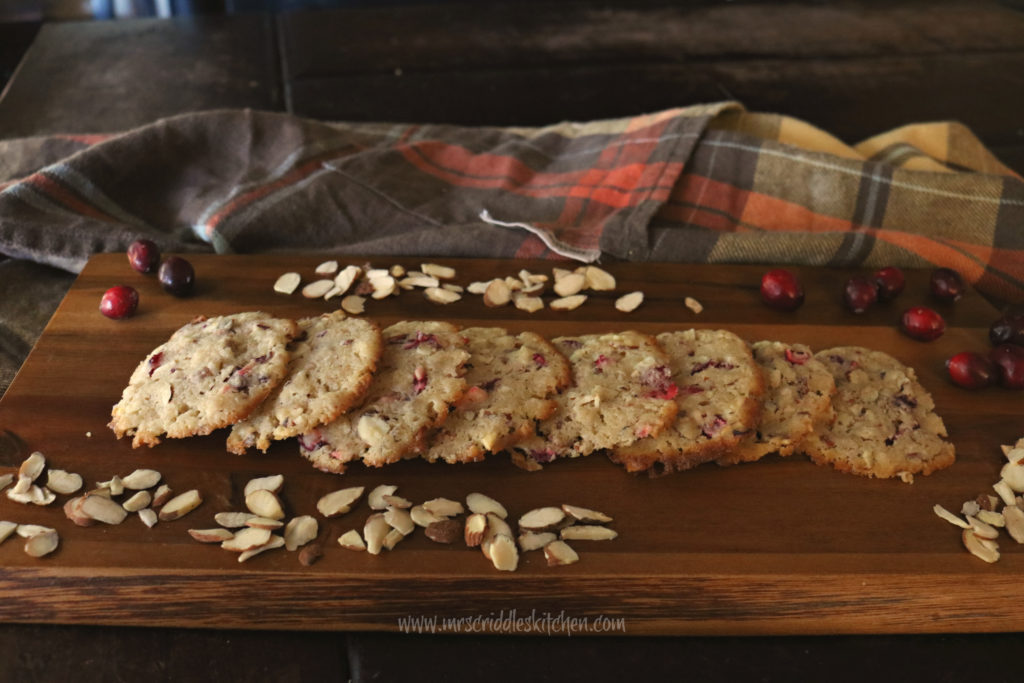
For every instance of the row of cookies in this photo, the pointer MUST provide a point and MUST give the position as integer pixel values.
(352, 392)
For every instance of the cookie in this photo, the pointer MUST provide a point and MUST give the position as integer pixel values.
(719, 402)
(621, 391)
(511, 380)
(798, 395)
(209, 374)
(885, 425)
(419, 375)
(332, 363)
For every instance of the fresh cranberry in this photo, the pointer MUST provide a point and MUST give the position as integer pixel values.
(922, 323)
(1010, 360)
(971, 370)
(119, 302)
(860, 293)
(797, 357)
(144, 255)
(177, 276)
(947, 284)
(1008, 329)
(780, 289)
(889, 282)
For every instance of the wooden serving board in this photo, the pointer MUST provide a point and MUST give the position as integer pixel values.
(776, 547)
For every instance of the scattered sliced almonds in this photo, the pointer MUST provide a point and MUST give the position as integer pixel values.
(353, 304)
(693, 305)
(287, 283)
(317, 288)
(568, 303)
(627, 303)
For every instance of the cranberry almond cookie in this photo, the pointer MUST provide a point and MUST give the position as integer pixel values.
(622, 390)
(885, 423)
(332, 363)
(719, 402)
(211, 373)
(798, 396)
(419, 376)
(511, 380)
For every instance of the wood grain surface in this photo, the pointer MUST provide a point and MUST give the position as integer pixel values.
(776, 547)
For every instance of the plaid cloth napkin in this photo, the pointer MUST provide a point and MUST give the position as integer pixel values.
(702, 184)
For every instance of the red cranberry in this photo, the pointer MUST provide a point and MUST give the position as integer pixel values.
(947, 284)
(1009, 358)
(780, 289)
(971, 370)
(860, 293)
(1008, 329)
(922, 323)
(177, 276)
(890, 282)
(119, 302)
(144, 255)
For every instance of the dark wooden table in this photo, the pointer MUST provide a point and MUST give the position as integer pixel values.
(852, 68)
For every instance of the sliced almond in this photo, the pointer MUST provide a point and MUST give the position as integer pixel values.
(272, 544)
(5, 480)
(180, 505)
(162, 495)
(333, 292)
(627, 303)
(273, 483)
(1013, 453)
(991, 518)
(476, 527)
(299, 532)
(103, 510)
(246, 539)
(287, 283)
(983, 530)
(264, 523)
(353, 304)
(374, 532)
(216, 535)
(529, 278)
(399, 520)
(444, 530)
(1013, 474)
(560, 273)
(983, 551)
(371, 428)
(397, 270)
(477, 287)
(264, 503)
(423, 517)
(586, 515)
(393, 501)
(339, 502)
(497, 294)
(233, 520)
(693, 305)
(598, 279)
(503, 553)
(376, 497)
(73, 511)
(560, 553)
(531, 540)
(568, 303)
(351, 540)
(317, 288)
(530, 304)
(376, 273)
(950, 517)
(383, 287)
(1005, 492)
(148, 517)
(541, 519)
(30, 530)
(514, 284)
(444, 507)
(141, 479)
(32, 467)
(449, 287)
(393, 538)
(1014, 517)
(115, 486)
(6, 529)
(327, 268)
(344, 279)
(496, 526)
(140, 500)
(424, 281)
(587, 532)
(570, 285)
(441, 296)
(42, 544)
(480, 503)
(438, 271)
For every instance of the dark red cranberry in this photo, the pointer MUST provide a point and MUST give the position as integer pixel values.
(1008, 329)
(119, 302)
(890, 282)
(922, 323)
(947, 284)
(1009, 358)
(859, 294)
(780, 289)
(971, 370)
(144, 255)
(177, 276)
